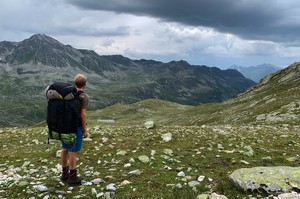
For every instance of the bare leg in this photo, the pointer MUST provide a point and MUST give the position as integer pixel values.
(72, 160)
(64, 157)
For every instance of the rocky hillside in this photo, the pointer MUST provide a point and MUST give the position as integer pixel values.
(275, 100)
(171, 162)
(27, 67)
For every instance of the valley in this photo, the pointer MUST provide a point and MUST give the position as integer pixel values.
(29, 66)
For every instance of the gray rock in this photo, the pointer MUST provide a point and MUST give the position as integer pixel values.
(178, 186)
(292, 159)
(289, 196)
(23, 184)
(167, 137)
(168, 152)
(153, 152)
(201, 178)
(267, 158)
(193, 183)
(127, 165)
(149, 124)
(220, 146)
(87, 139)
(58, 153)
(26, 164)
(216, 196)
(249, 151)
(94, 192)
(97, 181)
(181, 174)
(244, 162)
(261, 117)
(135, 172)
(111, 187)
(122, 152)
(40, 188)
(203, 196)
(273, 180)
(87, 183)
(107, 195)
(144, 159)
(125, 182)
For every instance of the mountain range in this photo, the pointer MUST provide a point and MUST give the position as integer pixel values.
(256, 73)
(27, 67)
(272, 102)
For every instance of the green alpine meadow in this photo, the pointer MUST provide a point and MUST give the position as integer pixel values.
(156, 130)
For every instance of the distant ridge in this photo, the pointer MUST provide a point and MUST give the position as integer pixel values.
(256, 73)
(34, 63)
(275, 101)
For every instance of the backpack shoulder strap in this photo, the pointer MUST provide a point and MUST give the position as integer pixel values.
(78, 93)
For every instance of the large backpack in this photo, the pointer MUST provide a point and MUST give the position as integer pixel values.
(63, 111)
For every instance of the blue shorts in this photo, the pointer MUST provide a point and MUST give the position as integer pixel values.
(77, 144)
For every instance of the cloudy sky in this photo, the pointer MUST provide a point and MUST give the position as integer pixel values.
(203, 32)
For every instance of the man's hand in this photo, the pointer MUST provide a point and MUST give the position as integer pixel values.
(85, 133)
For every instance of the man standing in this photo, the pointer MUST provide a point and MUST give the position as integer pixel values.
(69, 152)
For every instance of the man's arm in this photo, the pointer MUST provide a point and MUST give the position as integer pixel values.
(83, 122)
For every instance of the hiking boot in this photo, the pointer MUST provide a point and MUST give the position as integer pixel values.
(74, 180)
(64, 177)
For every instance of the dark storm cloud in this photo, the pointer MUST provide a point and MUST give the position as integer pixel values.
(271, 20)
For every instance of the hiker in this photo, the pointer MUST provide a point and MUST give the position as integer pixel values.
(69, 152)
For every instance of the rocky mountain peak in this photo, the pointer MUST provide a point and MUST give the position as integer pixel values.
(42, 37)
(40, 49)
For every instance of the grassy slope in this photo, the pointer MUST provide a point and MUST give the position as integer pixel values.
(195, 150)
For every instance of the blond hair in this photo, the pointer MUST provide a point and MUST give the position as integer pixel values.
(80, 80)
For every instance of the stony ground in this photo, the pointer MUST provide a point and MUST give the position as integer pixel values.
(133, 162)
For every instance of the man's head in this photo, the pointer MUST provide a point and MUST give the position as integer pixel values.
(80, 80)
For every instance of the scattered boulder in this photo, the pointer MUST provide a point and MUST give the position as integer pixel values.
(273, 180)
(201, 178)
(40, 188)
(144, 158)
(88, 139)
(125, 182)
(249, 151)
(149, 124)
(216, 196)
(292, 159)
(203, 196)
(135, 172)
(167, 137)
(111, 187)
(58, 153)
(261, 117)
(122, 153)
(211, 196)
(97, 181)
(181, 174)
(168, 152)
(193, 183)
(23, 184)
(289, 196)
